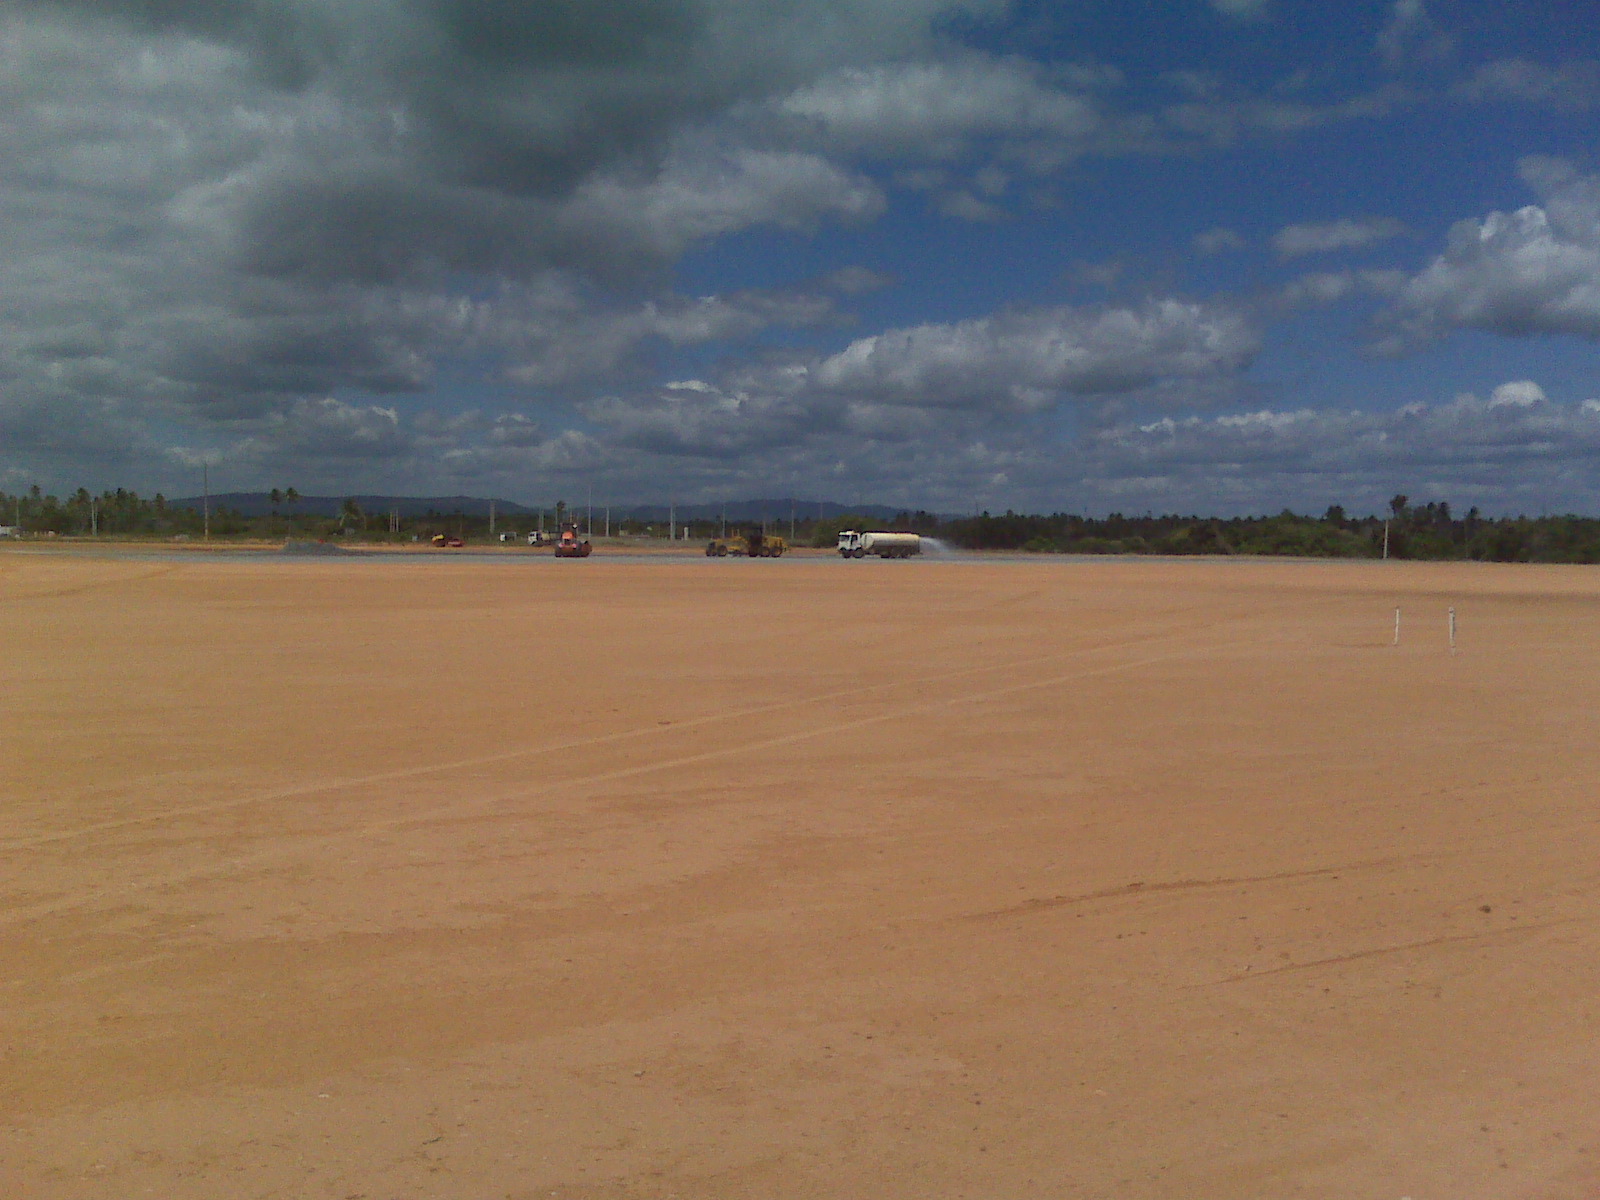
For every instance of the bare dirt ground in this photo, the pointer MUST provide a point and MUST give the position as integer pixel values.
(406, 879)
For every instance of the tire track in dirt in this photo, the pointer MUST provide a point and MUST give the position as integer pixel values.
(816, 731)
(1401, 948)
(98, 585)
(484, 806)
(1132, 890)
(565, 747)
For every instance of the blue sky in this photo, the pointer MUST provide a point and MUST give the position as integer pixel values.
(1215, 255)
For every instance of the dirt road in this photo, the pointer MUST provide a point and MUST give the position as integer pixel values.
(408, 879)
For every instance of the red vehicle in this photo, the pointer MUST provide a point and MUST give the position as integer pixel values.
(570, 545)
(448, 539)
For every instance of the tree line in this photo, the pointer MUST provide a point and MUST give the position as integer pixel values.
(1408, 531)
(125, 513)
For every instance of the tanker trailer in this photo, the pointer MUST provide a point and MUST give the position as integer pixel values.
(885, 545)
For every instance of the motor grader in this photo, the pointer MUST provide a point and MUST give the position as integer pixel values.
(754, 542)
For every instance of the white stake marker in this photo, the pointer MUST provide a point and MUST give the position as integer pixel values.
(1397, 627)
(1452, 631)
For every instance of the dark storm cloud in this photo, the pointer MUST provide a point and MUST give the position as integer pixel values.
(416, 117)
(226, 207)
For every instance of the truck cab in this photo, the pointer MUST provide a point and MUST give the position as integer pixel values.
(850, 544)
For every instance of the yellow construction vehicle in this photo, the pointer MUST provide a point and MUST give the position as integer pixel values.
(752, 543)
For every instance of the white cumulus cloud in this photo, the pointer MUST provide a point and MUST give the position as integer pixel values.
(1530, 271)
(1501, 452)
(1026, 359)
(1521, 393)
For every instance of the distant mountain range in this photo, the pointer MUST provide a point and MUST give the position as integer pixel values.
(259, 504)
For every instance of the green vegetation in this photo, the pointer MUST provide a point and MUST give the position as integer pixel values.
(127, 515)
(1428, 531)
(110, 514)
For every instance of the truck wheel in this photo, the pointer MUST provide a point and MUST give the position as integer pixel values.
(858, 552)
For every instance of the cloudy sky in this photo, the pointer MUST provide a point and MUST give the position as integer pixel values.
(1214, 255)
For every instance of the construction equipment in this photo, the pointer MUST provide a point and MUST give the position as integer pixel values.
(885, 545)
(754, 542)
(570, 545)
(443, 540)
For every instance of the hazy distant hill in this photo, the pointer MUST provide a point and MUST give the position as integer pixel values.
(259, 504)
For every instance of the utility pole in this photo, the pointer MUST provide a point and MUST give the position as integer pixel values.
(1386, 539)
(205, 475)
(791, 518)
(672, 521)
(491, 518)
(590, 531)
(608, 520)
(94, 519)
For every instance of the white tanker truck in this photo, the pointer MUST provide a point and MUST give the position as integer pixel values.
(884, 545)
